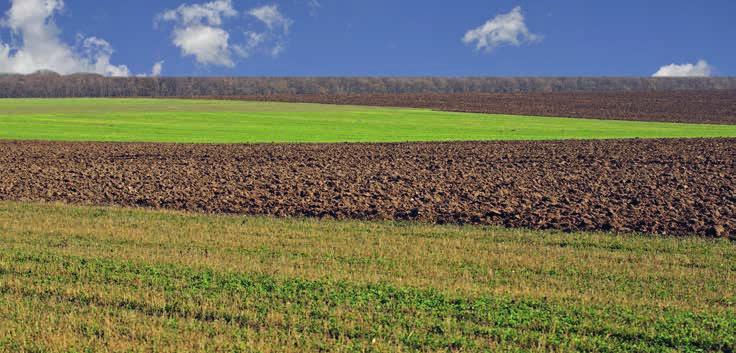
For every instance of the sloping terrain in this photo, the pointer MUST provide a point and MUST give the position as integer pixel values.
(705, 106)
(231, 121)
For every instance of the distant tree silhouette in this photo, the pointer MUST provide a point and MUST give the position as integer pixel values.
(50, 84)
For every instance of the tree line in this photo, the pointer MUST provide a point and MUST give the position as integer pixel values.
(48, 84)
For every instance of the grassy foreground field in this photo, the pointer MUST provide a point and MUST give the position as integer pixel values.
(108, 279)
(201, 121)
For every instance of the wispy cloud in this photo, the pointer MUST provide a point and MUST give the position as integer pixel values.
(699, 69)
(273, 39)
(199, 31)
(157, 69)
(271, 17)
(504, 29)
(314, 6)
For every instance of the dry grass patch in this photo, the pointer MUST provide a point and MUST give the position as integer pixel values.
(114, 279)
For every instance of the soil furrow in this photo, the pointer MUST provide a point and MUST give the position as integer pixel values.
(675, 187)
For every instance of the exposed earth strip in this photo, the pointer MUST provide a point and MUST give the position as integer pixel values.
(676, 187)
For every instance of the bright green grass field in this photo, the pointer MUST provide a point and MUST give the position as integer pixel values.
(202, 121)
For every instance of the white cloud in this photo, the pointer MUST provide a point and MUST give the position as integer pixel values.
(196, 14)
(209, 45)
(198, 31)
(504, 29)
(252, 41)
(271, 17)
(157, 69)
(273, 40)
(101, 51)
(41, 47)
(700, 69)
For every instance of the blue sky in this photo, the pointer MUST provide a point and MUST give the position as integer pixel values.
(374, 38)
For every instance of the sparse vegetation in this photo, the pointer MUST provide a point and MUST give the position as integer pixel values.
(109, 279)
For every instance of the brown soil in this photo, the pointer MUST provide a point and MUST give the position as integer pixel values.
(714, 106)
(678, 187)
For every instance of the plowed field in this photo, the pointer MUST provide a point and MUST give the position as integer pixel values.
(678, 187)
(714, 106)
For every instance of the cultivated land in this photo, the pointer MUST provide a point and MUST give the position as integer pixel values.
(201, 121)
(76, 278)
(709, 106)
(107, 279)
(680, 187)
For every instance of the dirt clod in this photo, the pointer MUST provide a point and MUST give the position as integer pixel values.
(650, 186)
(716, 231)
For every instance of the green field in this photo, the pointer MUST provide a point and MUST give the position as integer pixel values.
(108, 279)
(90, 279)
(201, 121)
